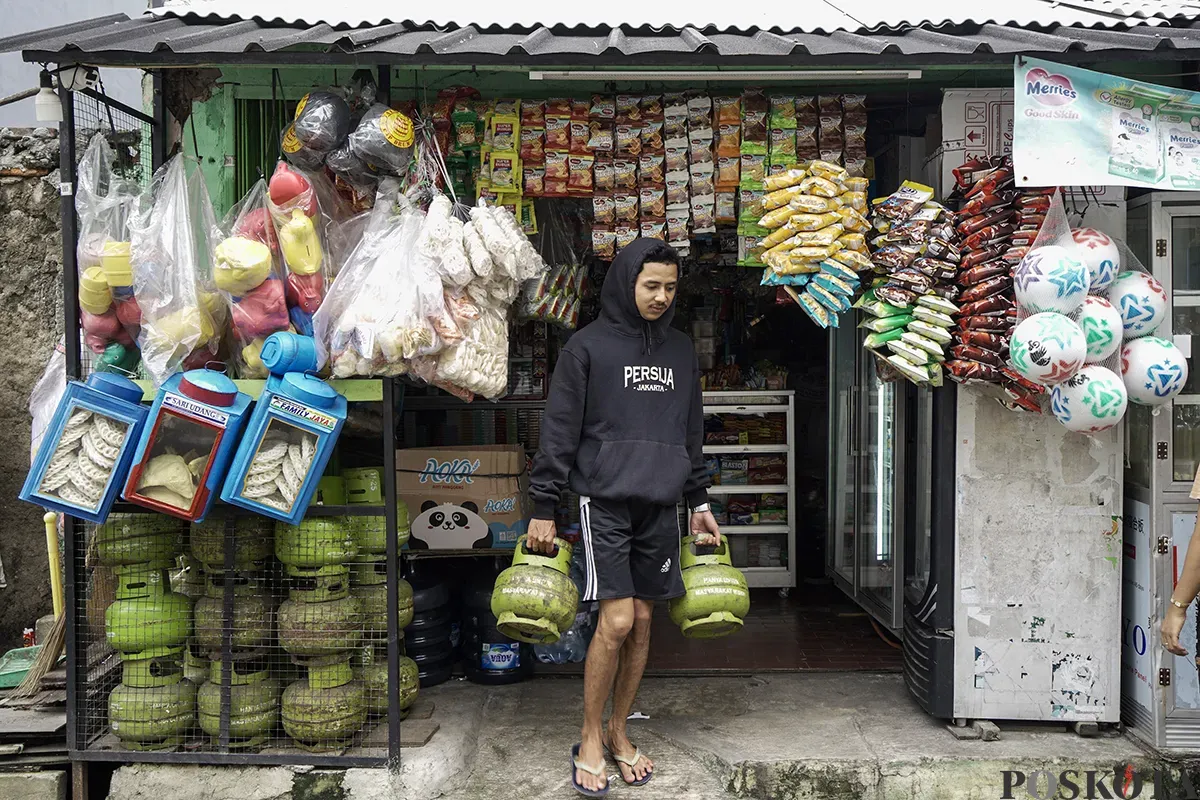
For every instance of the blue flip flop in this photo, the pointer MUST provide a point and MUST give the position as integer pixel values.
(631, 762)
(591, 770)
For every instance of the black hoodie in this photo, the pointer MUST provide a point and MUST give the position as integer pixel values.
(625, 417)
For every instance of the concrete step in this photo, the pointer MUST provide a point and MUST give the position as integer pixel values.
(832, 736)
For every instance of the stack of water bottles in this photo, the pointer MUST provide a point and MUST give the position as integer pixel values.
(573, 645)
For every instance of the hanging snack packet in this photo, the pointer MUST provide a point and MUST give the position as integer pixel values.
(580, 179)
(624, 173)
(905, 201)
(604, 210)
(604, 242)
(652, 169)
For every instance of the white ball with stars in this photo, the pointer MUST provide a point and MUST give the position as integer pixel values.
(1154, 370)
(1093, 400)
(1100, 254)
(1047, 348)
(1102, 326)
(1051, 278)
(1141, 300)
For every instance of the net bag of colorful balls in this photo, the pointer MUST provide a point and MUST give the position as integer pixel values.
(1083, 343)
(248, 271)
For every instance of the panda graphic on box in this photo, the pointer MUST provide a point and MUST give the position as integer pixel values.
(450, 526)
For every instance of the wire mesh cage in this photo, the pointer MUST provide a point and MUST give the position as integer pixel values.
(236, 639)
(242, 639)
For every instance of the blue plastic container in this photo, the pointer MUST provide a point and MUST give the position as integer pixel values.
(85, 455)
(288, 442)
(186, 445)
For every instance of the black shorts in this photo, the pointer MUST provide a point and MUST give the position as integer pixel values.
(631, 549)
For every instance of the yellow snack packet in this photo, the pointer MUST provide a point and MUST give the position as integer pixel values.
(852, 259)
(822, 187)
(827, 170)
(780, 198)
(854, 241)
(778, 217)
(812, 222)
(812, 204)
(854, 221)
(857, 184)
(855, 200)
(775, 237)
(821, 238)
(782, 180)
(797, 265)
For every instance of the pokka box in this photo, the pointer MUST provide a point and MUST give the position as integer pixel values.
(84, 458)
(464, 498)
(288, 442)
(187, 443)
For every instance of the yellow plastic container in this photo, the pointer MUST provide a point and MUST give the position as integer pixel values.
(300, 244)
(241, 265)
(115, 261)
(94, 295)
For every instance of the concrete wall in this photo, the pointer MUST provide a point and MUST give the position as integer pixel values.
(18, 16)
(1037, 622)
(31, 321)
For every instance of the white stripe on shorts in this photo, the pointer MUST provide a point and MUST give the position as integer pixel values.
(591, 582)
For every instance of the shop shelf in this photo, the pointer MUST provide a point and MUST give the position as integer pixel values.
(744, 409)
(767, 488)
(742, 530)
(356, 390)
(745, 448)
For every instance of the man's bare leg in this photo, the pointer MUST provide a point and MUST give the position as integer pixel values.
(616, 620)
(629, 677)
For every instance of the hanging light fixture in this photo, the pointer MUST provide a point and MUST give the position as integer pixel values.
(47, 105)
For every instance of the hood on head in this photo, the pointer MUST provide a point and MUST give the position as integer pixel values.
(617, 302)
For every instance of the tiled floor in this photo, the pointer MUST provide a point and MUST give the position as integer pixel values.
(816, 628)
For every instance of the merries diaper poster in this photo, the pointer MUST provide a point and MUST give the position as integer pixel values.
(1077, 127)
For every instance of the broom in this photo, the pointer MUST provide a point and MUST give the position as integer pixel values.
(52, 648)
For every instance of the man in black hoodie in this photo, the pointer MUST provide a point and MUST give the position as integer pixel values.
(624, 429)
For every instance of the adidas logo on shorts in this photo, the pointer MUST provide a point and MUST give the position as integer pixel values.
(666, 566)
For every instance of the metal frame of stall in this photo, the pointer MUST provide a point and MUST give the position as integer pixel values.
(79, 687)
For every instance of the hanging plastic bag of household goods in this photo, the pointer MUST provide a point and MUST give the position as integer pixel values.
(555, 295)
(43, 400)
(381, 227)
(384, 139)
(247, 272)
(109, 313)
(172, 248)
(300, 224)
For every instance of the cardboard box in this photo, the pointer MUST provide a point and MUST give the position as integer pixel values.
(460, 498)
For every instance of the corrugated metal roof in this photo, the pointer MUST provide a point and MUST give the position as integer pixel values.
(173, 41)
(814, 16)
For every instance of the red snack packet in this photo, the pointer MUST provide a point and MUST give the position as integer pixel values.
(971, 371)
(980, 221)
(988, 341)
(986, 288)
(967, 352)
(982, 272)
(978, 257)
(996, 304)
